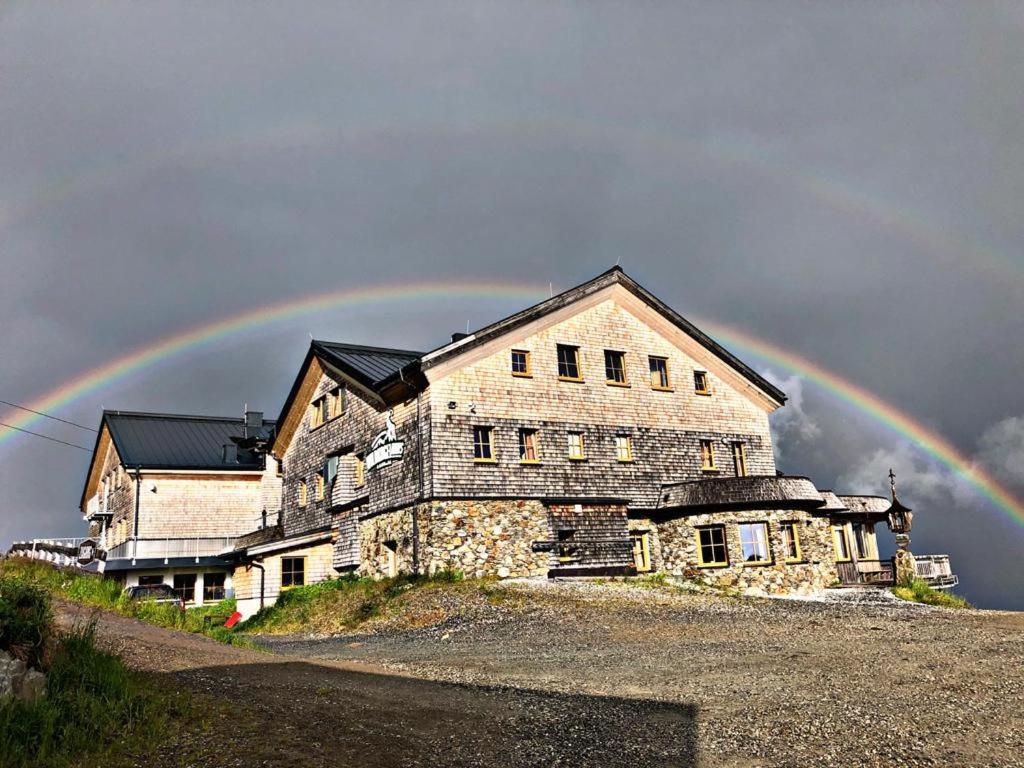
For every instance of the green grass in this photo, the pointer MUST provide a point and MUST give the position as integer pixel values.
(94, 590)
(345, 603)
(918, 591)
(93, 704)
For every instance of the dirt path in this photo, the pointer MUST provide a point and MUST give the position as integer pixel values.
(281, 711)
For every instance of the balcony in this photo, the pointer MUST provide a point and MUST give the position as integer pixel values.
(168, 549)
(936, 570)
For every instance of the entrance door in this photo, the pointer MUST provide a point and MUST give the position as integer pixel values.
(641, 541)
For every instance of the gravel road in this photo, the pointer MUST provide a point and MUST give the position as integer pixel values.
(582, 674)
(861, 680)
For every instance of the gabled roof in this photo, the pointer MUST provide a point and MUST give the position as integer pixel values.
(174, 441)
(614, 276)
(370, 366)
(377, 370)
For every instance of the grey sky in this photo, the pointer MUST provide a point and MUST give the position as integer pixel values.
(842, 179)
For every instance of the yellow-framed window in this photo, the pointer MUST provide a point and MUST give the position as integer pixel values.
(335, 403)
(790, 541)
(861, 542)
(754, 543)
(303, 493)
(712, 551)
(615, 368)
(360, 472)
(569, 363)
(739, 458)
(318, 412)
(659, 373)
(841, 542)
(529, 446)
(623, 448)
(483, 444)
(641, 541)
(707, 455)
(700, 383)
(521, 363)
(320, 485)
(577, 449)
(293, 572)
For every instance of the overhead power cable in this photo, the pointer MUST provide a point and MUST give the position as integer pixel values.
(45, 437)
(48, 416)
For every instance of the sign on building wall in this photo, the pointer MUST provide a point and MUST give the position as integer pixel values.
(386, 446)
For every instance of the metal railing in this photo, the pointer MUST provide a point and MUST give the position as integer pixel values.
(150, 549)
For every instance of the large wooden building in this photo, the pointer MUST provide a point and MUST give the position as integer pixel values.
(598, 432)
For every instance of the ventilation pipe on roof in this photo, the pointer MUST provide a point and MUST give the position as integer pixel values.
(458, 336)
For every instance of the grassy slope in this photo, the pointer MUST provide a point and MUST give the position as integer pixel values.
(95, 710)
(89, 589)
(918, 591)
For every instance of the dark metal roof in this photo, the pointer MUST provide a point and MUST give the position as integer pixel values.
(173, 441)
(756, 491)
(368, 365)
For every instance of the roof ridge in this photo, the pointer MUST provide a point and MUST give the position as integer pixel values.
(178, 416)
(368, 348)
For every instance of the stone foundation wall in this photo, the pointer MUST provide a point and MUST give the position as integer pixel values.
(479, 538)
(677, 552)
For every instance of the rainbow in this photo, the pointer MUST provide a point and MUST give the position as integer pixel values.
(859, 398)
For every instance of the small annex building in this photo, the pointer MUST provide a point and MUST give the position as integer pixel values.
(167, 495)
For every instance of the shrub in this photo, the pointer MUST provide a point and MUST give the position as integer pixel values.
(24, 619)
(918, 591)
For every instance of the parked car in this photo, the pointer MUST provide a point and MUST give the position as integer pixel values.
(158, 593)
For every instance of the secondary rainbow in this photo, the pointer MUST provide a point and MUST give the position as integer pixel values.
(927, 439)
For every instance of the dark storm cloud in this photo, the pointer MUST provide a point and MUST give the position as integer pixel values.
(843, 179)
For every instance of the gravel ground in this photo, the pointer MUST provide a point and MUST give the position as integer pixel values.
(858, 679)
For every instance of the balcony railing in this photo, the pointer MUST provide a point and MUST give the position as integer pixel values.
(936, 570)
(150, 549)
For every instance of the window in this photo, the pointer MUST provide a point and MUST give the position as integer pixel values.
(360, 477)
(623, 448)
(185, 586)
(754, 543)
(213, 587)
(319, 486)
(711, 549)
(576, 450)
(659, 373)
(335, 403)
(739, 458)
(293, 572)
(303, 493)
(707, 455)
(641, 550)
(841, 543)
(861, 536)
(317, 412)
(615, 368)
(791, 542)
(700, 383)
(528, 450)
(483, 449)
(566, 550)
(330, 470)
(569, 363)
(521, 363)
(151, 580)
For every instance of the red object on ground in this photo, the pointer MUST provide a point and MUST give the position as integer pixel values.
(232, 619)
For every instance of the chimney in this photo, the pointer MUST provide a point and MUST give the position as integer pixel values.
(458, 336)
(230, 453)
(253, 420)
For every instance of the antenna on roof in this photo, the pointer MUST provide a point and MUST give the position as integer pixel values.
(310, 335)
(467, 327)
(618, 259)
(551, 290)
